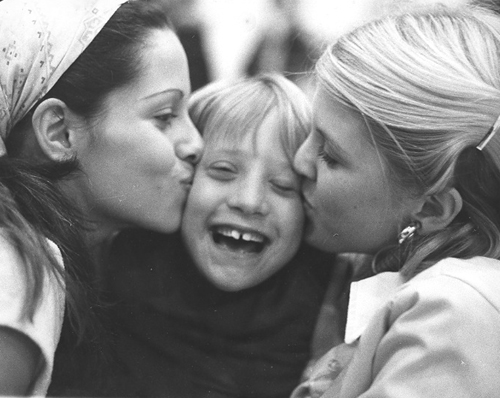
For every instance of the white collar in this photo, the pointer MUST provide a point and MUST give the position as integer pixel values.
(366, 297)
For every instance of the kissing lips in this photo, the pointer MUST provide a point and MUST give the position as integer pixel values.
(239, 240)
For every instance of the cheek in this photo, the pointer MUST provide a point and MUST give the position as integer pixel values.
(291, 217)
(332, 194)
(139, 143)
(348, 195)
(143, 172)
(203, 199)
(132, 171)
(156, 157)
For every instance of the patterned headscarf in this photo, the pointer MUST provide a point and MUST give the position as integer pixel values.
(39, 40)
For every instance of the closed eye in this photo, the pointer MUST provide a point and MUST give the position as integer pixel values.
(330, 162)
(166, 118)
(222, 170)
(286, 188)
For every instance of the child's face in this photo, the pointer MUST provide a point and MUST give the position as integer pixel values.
(244, 218)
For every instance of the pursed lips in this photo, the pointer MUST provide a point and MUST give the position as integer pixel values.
(307, 204)
(186, 177)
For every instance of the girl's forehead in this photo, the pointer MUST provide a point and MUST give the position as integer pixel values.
(233, 139)
(282, 130)
(233, 131)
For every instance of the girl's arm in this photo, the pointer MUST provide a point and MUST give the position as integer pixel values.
(19, 362)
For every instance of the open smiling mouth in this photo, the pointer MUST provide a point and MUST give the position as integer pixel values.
(237, 240)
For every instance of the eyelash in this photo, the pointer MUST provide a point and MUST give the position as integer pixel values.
(326, 158)
(286, 193)
(284, 188)
(222, 172)
(166, 118)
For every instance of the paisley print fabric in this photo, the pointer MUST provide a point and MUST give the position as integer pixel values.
(39, 40)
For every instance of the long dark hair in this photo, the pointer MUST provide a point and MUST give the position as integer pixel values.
(110, 61)
(33, 208)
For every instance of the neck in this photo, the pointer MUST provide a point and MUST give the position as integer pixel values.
(98, 240)
(100, 231)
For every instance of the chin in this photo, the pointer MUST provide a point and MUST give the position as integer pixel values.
(228, 287)
(227, 284)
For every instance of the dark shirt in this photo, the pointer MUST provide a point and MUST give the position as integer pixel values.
(176, 335)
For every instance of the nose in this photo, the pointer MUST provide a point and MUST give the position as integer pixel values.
(306, 157)
(190, 144)
(250, 197)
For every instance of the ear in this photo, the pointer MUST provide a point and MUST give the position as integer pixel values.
(439, 210)
(55, 129)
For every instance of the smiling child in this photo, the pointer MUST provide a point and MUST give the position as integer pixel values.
(229, 307)
(244, 218)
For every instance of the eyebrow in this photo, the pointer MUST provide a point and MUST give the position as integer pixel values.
(216, 147)
(170, 91)
(332, 144)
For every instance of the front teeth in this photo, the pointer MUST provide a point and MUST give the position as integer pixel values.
(246, 236)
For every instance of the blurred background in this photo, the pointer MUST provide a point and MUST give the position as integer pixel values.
(234, 38)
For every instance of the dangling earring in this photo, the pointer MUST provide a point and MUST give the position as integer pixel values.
(389, 258)
(408, 232)
(384, 260)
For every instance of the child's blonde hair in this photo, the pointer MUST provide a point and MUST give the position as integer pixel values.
(229, 110)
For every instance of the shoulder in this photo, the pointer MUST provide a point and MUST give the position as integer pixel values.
(475, 276)
(439, 332)
(465, 287)
(12, 276)
(8, 253)
(11, 258)
(43, 330)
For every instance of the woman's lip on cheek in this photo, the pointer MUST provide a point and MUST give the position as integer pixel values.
(186, 185)
(186, 175)
(307, 203)
(187, 180)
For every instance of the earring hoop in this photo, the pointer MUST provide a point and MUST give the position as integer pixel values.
(386, 260)
(408, 232)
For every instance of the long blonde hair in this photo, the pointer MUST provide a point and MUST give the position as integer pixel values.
(428, 85)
